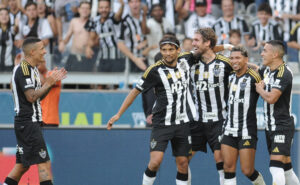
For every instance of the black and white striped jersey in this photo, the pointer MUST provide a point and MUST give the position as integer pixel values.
(174, 100)
(295, 33)
(280, 7)
(13, 17)
(26, 77)
(242, 99)
(6, 48)
(108, 32)
(211, 88)
(222, 28)
(271, 31)
(131, 34)
(278, 116)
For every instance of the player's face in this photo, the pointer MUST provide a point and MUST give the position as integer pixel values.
(135, 6)
(104, 8)
(39, 52)
(31, 12)
(201, 11)
(200, 47)
(267, 54)
(84, 10)
(263, 17)
(238, 61)
(169, 53)
(4, 17)
(228, 7)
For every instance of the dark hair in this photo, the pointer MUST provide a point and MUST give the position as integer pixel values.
(235, 31)
(105, 1)
(156, 5)
(279, 45)
(208, 34)
(29, 3)
(28, 41)
(8, 23)
(169, 40)
(265, 7)
(241, 49)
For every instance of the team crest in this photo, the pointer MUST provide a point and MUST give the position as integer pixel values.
(243, 84)
(217, 70)
(153, 144)
(182, 65)
(43, 153)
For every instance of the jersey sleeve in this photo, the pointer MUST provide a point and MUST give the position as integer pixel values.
(23, 78)
(148, 79)
(188, 56)
(123, 31)
(89, 26)
(283, 79)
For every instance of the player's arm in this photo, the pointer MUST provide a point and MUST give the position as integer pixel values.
(219, 48)
(270, 97)
(33, 95)
(118, 14)
(127, 102)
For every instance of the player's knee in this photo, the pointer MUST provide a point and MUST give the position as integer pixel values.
(182, 163)
(247, 171)
(229, 167)
(154, 164)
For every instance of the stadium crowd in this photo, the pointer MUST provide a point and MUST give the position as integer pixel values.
(96, 36)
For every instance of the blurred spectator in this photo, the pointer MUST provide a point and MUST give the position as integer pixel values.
(50, 103)
(33, 26)
(235, 37)
(7, 33)
(197, 19)
(65, 10)
(14, 11)
(294, 41)
(265, 28)
(77, 60)
(132, 41)
(155, 28)
(228, 22)
(168, 7)
(44, 13)
(105, 27)
(187, 44)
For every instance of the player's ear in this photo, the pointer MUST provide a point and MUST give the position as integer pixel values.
(178, 50)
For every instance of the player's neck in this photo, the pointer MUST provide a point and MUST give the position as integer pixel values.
(208, 56)
(275, 64)
(30, 61)
(241, 72)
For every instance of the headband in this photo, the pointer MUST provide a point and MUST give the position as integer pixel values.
(169, 42)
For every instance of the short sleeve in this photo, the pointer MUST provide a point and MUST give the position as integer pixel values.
(283, 80)
(148, 80)
(23, 78)
(90, 26)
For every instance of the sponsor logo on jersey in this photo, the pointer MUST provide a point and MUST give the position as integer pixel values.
(279, 139)
(276, 150)
(217, 70)
(247, 143)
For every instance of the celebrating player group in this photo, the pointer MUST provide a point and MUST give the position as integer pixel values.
(206, 98)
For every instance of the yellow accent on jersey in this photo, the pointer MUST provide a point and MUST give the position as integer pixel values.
(254, 74)
(223, 58)
(24, 66)
(276, 150)
(281, 70)
(247, 143)
(294, 29)
(184, 53)
(152, 66)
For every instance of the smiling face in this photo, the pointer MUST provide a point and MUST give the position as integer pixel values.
(135, 6)
(199, 46)
(169, 53)
(104, 8)
(227, 8)
(4, 17)
(238, 61)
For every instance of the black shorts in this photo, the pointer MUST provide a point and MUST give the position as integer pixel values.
(179, 135)
(111, 65)
(203, 133)
(280, 142)
(31, 147)
(79, 63)
(240, 142)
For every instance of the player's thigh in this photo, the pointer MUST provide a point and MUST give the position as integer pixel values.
(182, 142)
(247, 160)
(213, 134)
(160, 136)
(156, 158)
(199, 139)
(279, 143)
(229, 151)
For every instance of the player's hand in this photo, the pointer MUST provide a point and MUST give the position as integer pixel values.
(111, 121)
(260, 86)
(57, 75)
(149, 119)
(145, 9)
(89, 52)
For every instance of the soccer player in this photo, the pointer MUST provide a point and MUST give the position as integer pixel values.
(276, 89)
(240, 127)
(27, 93)
(170, 77)
(210, 75)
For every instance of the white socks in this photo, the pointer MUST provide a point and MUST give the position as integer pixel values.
(230, 181)
(277, 175)
(221, 176)
(291, 178)
(148, 180)
(259, 180)
(189, 176)
(180, 182)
